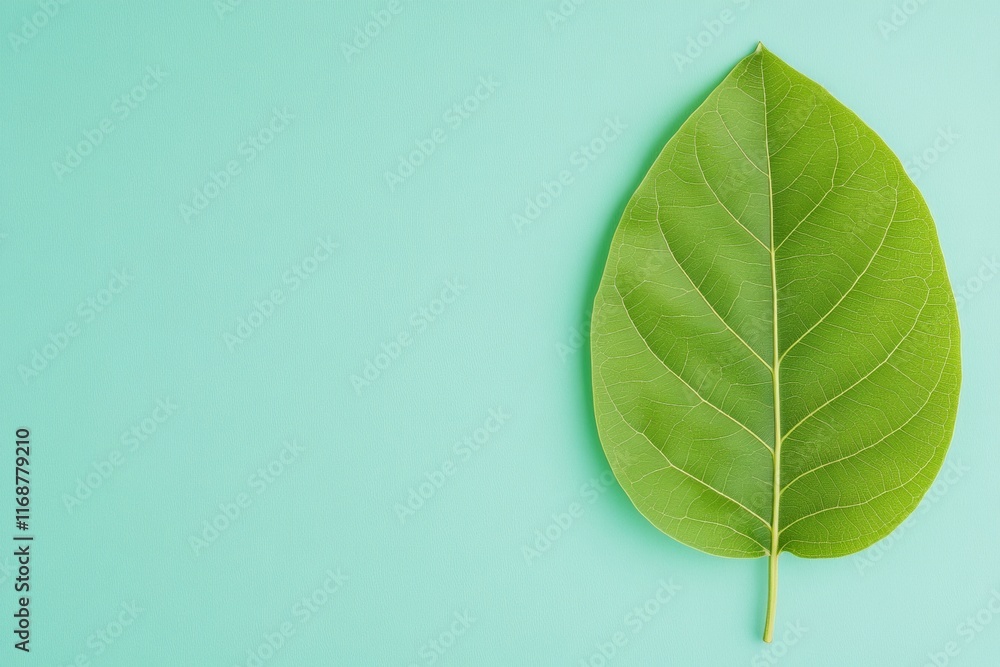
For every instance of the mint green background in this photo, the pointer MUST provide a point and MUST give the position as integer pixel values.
(497, 345)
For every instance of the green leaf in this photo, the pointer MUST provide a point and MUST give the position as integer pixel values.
(775, 341)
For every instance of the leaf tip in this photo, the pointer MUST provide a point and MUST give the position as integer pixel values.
(760, 47)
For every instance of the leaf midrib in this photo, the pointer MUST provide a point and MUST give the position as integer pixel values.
(775, 359)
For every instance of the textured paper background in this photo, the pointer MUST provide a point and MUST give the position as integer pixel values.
(279, 139)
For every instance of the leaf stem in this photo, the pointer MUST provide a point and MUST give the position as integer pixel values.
(772, 596)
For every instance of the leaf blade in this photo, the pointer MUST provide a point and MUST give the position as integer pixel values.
(866, 336)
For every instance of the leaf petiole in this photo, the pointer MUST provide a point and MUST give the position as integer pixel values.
(772, 595)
